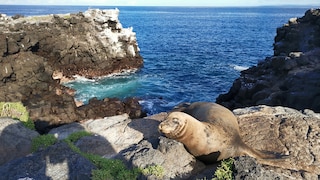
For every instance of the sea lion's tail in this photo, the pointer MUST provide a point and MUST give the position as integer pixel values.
(278, 160)
(247, 150)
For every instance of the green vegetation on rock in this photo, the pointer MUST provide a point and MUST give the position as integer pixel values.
(66, 16)
(111, 169)
(156, 170)
(77, 135)
(225, 170)
(43, 141)
(16, 110)
(107, 168)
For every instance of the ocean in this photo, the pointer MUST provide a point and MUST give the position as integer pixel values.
(190, 53)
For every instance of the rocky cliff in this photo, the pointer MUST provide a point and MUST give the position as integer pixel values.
(89, 44)
(38, 52)
(289, 78)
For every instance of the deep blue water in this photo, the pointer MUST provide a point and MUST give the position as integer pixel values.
(190, 53)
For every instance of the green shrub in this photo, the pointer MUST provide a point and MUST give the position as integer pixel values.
(225, 170)
(111, 169)
(16, 110)
(43, 141)
(156, 170)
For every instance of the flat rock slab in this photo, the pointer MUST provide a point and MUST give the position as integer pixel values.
(115, 130)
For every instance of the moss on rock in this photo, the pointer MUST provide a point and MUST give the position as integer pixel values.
(16, 110)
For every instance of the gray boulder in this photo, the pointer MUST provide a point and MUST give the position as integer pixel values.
(15, 140)
(170, 155)
(116, 132)
(55, 162)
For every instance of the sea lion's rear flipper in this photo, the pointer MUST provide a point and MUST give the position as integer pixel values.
(273, 155)
(270, 158)
(257, 154)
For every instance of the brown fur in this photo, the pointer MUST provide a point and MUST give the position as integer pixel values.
(205, 128)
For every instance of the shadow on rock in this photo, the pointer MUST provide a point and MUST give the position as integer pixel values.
(15, 140)
(55, 162)
(58, 161)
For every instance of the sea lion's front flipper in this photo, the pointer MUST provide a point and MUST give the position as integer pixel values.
(209, 158)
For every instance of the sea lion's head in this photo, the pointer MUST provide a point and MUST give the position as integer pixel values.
(174, 125)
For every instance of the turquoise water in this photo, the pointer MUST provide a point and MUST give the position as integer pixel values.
(190, 54)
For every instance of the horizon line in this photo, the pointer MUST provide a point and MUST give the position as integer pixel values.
(275, 5)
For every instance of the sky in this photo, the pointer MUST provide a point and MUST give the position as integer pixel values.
(164, 2)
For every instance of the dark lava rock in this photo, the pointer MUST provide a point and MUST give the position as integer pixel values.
(289, 78)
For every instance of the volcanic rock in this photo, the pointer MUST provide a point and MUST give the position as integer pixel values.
(290, 78)
(35, 49)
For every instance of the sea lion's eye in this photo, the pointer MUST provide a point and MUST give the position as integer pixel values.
(175, 120)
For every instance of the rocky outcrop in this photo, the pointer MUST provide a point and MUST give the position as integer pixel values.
(290, 77)
(89, 44)
(36, 53)
(138, 143)
(299, 34)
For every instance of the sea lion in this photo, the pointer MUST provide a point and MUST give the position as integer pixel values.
(209, 131)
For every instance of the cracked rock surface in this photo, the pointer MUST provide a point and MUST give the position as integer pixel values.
(283, 130)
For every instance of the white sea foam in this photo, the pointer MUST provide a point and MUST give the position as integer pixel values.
(125, 72)
(82, 79)
(240, 68)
